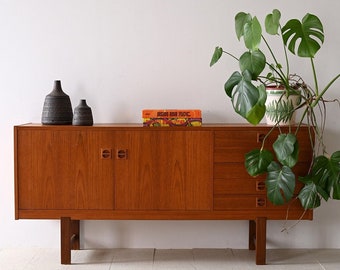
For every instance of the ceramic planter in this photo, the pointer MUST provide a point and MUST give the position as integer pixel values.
(279, 107)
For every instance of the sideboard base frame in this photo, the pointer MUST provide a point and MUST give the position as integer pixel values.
(70, 238)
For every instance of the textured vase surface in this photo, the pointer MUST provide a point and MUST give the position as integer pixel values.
(82, 114)
(57, 108)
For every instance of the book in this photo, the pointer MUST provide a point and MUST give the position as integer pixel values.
(172, 113)
(171, 122)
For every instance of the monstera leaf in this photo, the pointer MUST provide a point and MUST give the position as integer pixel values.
(308, 33)
(257, 161)
(241, 19)
(326, 173)
(286, 148)
(216, 56)
(323, 179)
(321, 174)
(309, 196)
(272, 22)
(280, 183)
(250, 28)
(254, 62)
(248, 100)
(334, 167)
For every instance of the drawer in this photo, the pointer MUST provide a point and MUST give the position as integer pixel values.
(237, 153)
(239, 186)
(238, 171)
(240, 139)
(246, 140)
(250, 202)
(231, 154)
(244, 186)
(231, 170)
(232, 178)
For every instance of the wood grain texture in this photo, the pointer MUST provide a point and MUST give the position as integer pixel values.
(164, 170)
(59, 169)
(260, 241)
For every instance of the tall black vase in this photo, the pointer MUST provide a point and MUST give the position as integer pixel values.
(57, 108)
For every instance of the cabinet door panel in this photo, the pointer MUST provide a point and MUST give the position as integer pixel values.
(56, 170)
(35, 187)
(100, 186)
(164, 170)
(47, 172)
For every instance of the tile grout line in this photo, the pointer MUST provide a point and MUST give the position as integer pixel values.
(112, 260)
(193, 259)
(232, 251)
(153, 257)
(323, 268)
(317, 261)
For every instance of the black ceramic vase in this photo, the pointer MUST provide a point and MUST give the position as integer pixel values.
(57, 108)
(82, 115)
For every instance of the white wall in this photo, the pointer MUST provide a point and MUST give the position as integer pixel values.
(126, 55)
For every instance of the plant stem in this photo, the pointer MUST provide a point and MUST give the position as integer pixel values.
(315, 77)
(318, 97)
(231, 55)
(278, 68)
(267, 135)
(286, 55)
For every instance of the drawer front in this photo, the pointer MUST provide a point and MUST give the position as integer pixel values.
(231, 146)
(254, 136)
(244, 186)
(238, 171)
(237, 154)
(237, 138)
(250, 202)
(232, 178)
(239, 186)
(231, 170)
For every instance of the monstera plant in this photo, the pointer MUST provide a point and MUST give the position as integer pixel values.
(246, 88)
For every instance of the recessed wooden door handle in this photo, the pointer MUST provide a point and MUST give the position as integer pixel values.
(106, 153)
(122, 154)
(260, 137)
(261, 202)
(260, 185)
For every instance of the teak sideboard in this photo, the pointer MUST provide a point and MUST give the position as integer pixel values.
(131, 172)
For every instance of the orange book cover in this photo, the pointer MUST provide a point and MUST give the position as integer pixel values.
(172, 113)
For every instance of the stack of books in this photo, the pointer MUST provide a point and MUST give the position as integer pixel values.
(169, 118)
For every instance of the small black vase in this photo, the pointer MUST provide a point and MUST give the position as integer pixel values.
(82, 115)
(57, 108)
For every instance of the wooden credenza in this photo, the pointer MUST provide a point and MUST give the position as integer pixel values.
(121, 172)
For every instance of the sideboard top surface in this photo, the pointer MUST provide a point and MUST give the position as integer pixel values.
(205, 126)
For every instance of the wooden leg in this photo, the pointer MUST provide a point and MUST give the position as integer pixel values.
(69, 232)
(261, 231)
(75, 238)
(252, 234)
(65, 233)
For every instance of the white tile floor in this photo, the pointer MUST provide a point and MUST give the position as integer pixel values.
(181, 259)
